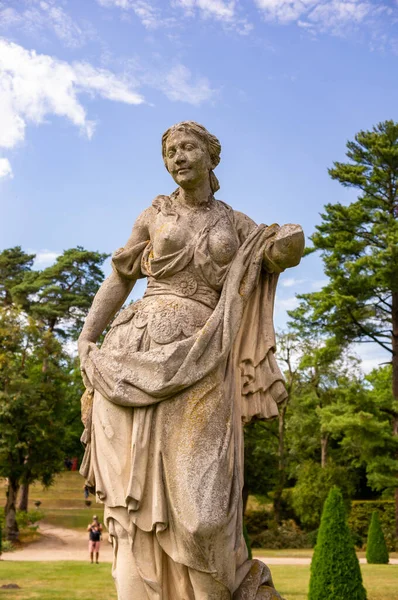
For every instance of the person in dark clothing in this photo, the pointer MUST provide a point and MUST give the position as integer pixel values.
(94, 532)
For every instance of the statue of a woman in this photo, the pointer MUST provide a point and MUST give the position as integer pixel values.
(176, 376)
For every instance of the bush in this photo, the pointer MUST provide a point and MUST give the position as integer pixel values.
(7, 546)
(376, 549)
(312, 488)
(335, 572)
(247, 540)
(257, 521)
(361, 514)
(29, 520)
(286, 535)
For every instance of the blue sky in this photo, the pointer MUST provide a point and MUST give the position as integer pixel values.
(87, 88)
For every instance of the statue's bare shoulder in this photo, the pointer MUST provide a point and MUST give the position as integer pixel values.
(141, 227)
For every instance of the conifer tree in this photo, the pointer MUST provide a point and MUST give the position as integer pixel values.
(359, 248)
(376, 548)
(335, 571)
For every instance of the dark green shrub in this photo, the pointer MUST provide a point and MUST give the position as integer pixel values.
(257, 521)
(312, 488)
(376, 549)
(361, 514)
(335, 572)
(247, 540)
(29, 520)
(286, 535)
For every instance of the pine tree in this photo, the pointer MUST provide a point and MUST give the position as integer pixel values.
(376, 549)
(359, 248)
(335, 571)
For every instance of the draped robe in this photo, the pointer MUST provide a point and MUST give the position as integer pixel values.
(164, 440)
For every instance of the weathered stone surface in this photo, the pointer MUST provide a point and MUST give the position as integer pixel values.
(176, 375)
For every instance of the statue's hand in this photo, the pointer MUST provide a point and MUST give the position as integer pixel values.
(84, 348)
(288, 246)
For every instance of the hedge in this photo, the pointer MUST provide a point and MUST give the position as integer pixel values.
(335, 572)
(361, 514)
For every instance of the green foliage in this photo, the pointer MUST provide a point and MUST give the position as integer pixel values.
(313, 486)
(14, 264)
(40, 388)
(29, 519)
(335, 572)
(7, 546)
(282, 536)
(361, 514)
(62, 294)
(359, 244)
(247, 540)
(261, 444)
(376, 549)
(359, 248)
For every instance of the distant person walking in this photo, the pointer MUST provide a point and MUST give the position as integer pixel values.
(86, 492)
(95, 531)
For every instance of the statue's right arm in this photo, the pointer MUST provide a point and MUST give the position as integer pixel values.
(111, 295)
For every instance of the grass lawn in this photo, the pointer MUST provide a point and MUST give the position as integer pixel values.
(57, 581)
(62, 503)
(75, 581)
(300, 553)
(72, 518)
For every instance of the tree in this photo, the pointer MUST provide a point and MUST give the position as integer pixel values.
(61, 295)
(361, 420)
(39, 390)
(260, 466)
(335, 571)
(359, 248)
(31, 407)
(312, 488)
(14, 264)
(376, 548)
(288, 348)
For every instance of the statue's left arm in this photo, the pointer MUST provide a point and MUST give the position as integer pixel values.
(286, 248)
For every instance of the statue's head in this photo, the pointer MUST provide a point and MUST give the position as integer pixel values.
(190, 145)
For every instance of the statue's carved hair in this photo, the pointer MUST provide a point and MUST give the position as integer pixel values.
(211, 142)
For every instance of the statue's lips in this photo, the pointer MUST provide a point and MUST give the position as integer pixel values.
(182, 171)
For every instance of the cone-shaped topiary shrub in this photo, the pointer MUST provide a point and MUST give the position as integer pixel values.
(376, 548)
(335, 572)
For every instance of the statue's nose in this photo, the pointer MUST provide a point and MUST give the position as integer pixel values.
(179, 157)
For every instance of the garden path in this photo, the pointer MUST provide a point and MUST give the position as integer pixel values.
(58, 543)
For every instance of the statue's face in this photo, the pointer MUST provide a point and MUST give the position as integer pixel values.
(187, 159)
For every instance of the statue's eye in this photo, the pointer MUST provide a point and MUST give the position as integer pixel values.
(190, 147)
(170, 153)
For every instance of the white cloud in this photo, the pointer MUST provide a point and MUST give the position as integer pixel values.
(37, 16)
(284, 304)
(224, 11)
(291, 281)
(5, 168)
(44, 258)
(178, 85)
(153, 17)
(319, 15)
(35, 86)
(371, 355)
(285, 10)
(149, 15)
(318, 284)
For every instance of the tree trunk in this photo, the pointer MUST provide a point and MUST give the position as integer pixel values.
(11, 525)
(24, 497)
(281, 466)
(395, 383)
(324, 449)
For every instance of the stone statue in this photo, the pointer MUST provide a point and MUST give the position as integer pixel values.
(178, 373)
